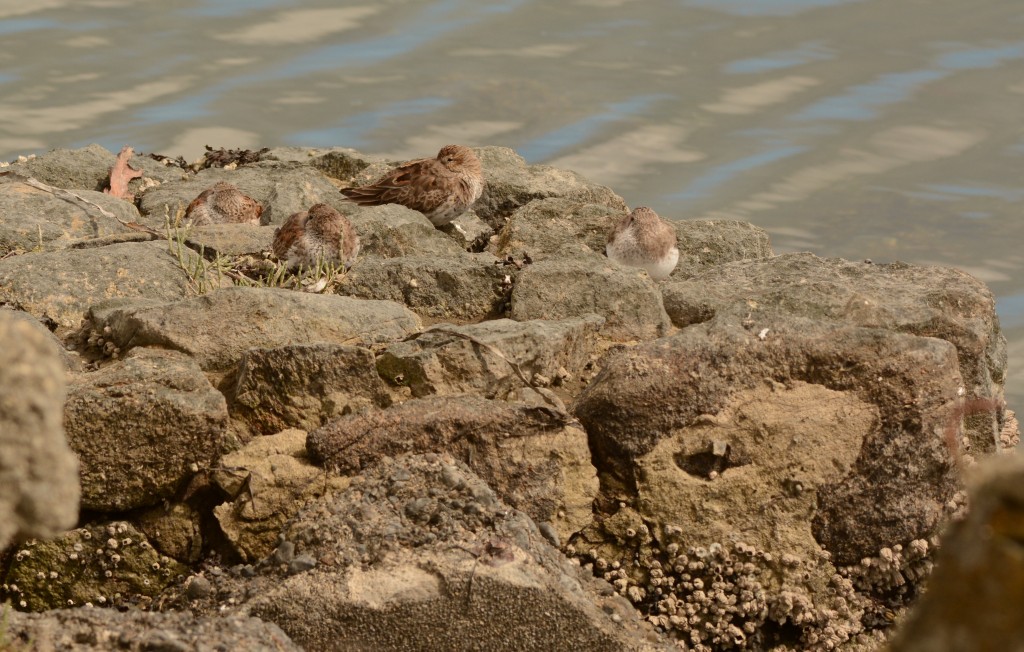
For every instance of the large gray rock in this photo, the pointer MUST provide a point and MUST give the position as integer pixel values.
(282, 189)
(229, 239)
(142, 427)
(543, 226)
(930, 301)
(69, 361)
(38, 471)
(579, 282)
(100, 564)
(974, 596)
(530, 455)
(705, 243)
(61, 286)
(511, 183)
(459, 287)
(392, 230)
(100, 630)
(419, 554)
(441, 361)
(216, 329)
(36, 220)
(303, 386)
(845, 438)
(86, 168)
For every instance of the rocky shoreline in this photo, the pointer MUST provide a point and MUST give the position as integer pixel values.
(484, 437)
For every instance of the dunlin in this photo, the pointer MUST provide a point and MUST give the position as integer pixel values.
(223, 204)
(319, 234)
(642, 239)
(441, 188)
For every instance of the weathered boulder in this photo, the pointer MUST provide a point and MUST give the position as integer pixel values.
(543, 226)
(100, 630)
(303, 386)
(268, 480)
(69, 360)
(479, 358)
(576, 282)
(33, 220)
(282, 188)
(142, 427)
(461, 287)
(62, 285)
(217, 328)
(392, 230)
(420, 554)
(175, 529)
(469, 231)
(39, 488)
(705, 243)
(937, 302)
(974, 596)
(86, 168)
(102, 564)
(845, 437)
(531, 455)
(511, 183)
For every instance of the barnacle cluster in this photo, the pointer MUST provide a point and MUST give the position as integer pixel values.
(896, 571)
(731, 595)
(107, 564)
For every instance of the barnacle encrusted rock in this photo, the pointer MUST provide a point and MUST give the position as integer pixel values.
(102, 564)
(531, 455)
(814, 444)
(142, 427)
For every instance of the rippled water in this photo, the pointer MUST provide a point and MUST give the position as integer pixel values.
(881, 129)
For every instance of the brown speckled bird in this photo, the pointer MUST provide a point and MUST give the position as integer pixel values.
(441, 188)
(642, 239)
(319, 234)
(223, 204)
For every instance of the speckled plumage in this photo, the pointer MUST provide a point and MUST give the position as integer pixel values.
(441, 188)
(642, 239)
(223, 203)
(318, 234)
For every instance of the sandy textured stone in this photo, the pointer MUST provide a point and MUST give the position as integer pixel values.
(937, 302)
(530, 455)
(100, 630)
(268, 480)
(303, 386)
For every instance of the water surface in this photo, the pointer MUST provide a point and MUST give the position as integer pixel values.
(879, 129)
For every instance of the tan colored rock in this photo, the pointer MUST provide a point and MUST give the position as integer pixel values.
(532, 456)
(269, 480)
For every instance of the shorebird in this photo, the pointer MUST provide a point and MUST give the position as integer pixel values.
(642, 239)
(223, 204)
(441, 188)
(320, 234)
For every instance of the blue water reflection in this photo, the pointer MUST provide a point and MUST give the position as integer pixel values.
(806, 53)
(764, 7)
(355, 129)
